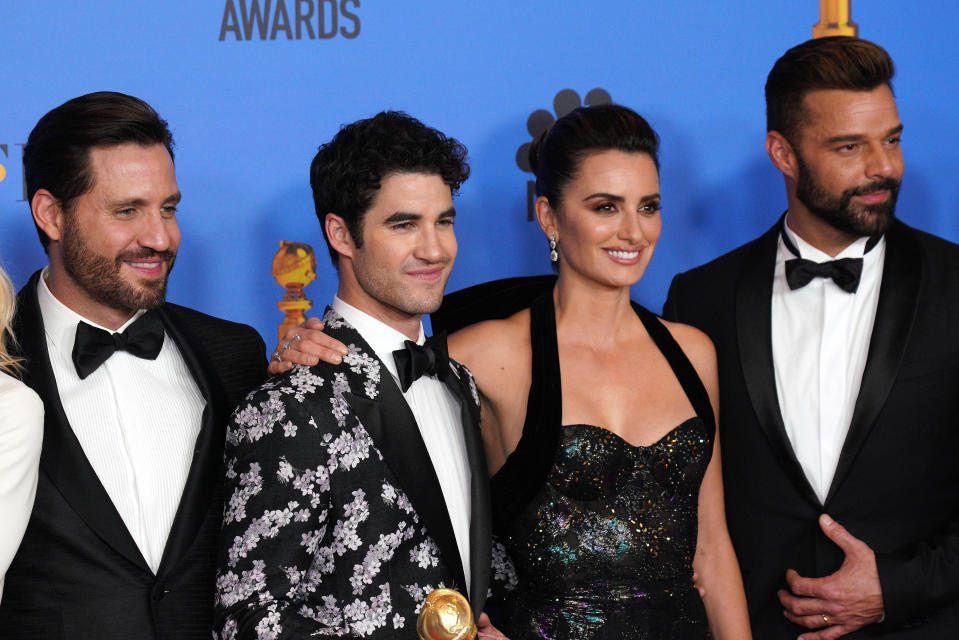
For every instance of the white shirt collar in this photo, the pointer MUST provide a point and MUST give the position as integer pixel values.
(383, 338)
(807, 251)
(60, 321)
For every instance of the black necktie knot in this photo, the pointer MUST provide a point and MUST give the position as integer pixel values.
(414, 361)
(93, 346)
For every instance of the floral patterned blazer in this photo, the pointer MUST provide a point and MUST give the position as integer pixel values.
(334, 523)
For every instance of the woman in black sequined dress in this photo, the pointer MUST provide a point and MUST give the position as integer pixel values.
(599, 418)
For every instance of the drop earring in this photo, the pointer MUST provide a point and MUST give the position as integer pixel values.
(553, 256)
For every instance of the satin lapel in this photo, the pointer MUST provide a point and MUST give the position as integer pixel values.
(754, 333)
(392, 427)
(480, 514)
(895, 316)
(207, 460)
(62, 458)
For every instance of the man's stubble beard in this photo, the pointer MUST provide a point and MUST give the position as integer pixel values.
(859, 220)
(100, 278)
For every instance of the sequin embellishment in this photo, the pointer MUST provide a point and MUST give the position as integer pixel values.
(606, 548)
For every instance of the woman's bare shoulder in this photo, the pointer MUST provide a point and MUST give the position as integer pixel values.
(695, 344)
(491, 341)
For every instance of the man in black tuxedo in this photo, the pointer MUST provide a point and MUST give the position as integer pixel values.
(839, 366)
(353, 491)
(137, 391)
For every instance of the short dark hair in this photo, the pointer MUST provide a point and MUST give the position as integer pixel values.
(348, 170)
(57, 154)
(835, 62)
(556, 154)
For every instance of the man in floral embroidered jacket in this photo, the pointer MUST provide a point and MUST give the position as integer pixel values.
(354, 491)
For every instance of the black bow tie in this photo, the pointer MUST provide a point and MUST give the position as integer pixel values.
(415, 361)
(94, 346)
(845, 272)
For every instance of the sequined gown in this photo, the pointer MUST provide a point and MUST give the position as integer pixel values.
(602, 533)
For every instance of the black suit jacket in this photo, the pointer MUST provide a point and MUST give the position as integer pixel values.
(897, 481)
(78, 572)
(335, 522)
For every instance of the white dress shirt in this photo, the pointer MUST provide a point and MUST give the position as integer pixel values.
(820, 339)
(137, 421)
(21, 434)
(437, 413)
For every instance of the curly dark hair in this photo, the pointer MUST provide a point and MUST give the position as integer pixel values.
(57, 154)
(347, 171)
(836, 62)
(556, 154)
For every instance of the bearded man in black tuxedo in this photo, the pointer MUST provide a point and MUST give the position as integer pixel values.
(123, 535)
(839, 370)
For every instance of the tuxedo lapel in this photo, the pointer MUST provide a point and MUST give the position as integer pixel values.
(62, 458)
(895, 315)
(480, 515)
(754, 335)
(388, 419)
(206, 465)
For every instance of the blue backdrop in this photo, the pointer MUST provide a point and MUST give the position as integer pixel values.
(251, 87)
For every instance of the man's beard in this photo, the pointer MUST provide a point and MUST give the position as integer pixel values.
(100, 277)
(857, 219)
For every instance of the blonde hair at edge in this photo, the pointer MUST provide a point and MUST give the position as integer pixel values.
(8, 364)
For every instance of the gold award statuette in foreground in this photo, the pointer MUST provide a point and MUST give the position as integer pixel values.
(294, 267)
(446, 615)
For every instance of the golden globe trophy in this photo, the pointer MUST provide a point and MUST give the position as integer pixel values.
(446, 615)
(294, 267)
(835, 19)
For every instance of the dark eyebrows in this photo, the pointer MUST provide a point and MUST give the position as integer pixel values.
(843, 139)
(603, 196)
(402, 216)
(405, 216)
(173, 198)
(856, 137)
(614, 198)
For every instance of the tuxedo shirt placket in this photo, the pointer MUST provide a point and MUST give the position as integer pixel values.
(438, 417)
(820, 339)
(136, 420)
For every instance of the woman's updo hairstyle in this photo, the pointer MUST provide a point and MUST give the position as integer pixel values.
(555, 154)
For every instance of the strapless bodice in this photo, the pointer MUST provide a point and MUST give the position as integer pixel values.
(605, 550)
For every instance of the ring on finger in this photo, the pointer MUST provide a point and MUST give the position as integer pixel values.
(277, 356)
(825, 618)
(286, 345)
(296, 337)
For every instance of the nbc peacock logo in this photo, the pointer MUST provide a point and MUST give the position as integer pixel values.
(541, 119)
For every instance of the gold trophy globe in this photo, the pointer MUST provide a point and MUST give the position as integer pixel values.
(294, 267)
(446, 615)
